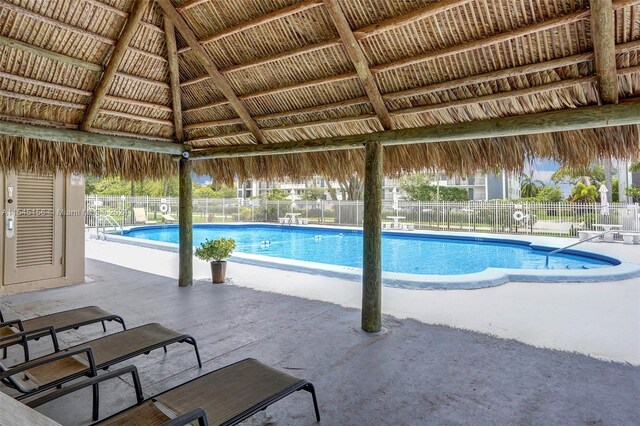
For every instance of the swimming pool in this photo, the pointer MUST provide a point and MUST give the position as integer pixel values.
(409, 259)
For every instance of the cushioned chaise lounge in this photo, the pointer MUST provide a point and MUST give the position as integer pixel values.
(86, 359)
(223, 397)
(18, 332)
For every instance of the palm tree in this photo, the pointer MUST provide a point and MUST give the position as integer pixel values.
(529, 187)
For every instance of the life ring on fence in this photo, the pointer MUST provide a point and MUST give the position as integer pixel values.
(164, 208)
(518, 216)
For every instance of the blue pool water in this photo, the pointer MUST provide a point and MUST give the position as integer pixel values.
(401, 252)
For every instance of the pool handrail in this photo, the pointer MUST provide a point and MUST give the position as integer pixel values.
(546, 262)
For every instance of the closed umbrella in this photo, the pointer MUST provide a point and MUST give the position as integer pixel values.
(604, 202)
(395, 200)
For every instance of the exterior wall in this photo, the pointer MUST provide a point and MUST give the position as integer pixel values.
(72, 233)
(496, 187)
(481, 187)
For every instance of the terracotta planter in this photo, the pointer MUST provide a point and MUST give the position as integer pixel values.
(218, 271)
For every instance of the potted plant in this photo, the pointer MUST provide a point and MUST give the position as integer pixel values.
(216, 251)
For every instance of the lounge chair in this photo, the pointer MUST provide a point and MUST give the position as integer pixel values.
(60, 321)
(50, 371)
(225, 396)
(167, 218)
(140, 216)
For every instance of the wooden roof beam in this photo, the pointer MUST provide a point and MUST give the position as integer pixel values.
(359, 61)
(284, 114)
(93, 139)
(135, 117)
(500, 96)
(497, 38)
(114, 63)
(54, 22)
(53, 86)
(269, 17)
(398, 21)
(311, 83)
(72, 28)
(190, 4)
(44, 53)
(491, 76)
(174, 77)
(530, 124)
(110, 8)
(445, 85)
(444, 52)
(269, 59)
(604, 47)
(81, 106)
(218, 79)
(143, 80)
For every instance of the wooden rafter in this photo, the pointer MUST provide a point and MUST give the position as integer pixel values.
(42, 100)
(54, 22)
(136, 117)
(269, 17)
(284, 114)
(392, 23)
(48, 85)
(114, 63)
(425, 90)
(491, 76)
(477, 44)
(38, 51)
(530, 124)
(110, 8)
(174, 77)
(498, 38)
(81, 92)
(135, 102)
(500, 96)
(81, 106)
(75, 29)
(359, 61)
(604, 47)
(144, 80)
(311, 83)
(190, 4)
(85, 138)
(218, 79)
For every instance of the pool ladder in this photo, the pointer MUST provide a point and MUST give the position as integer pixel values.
(102, 221)
(546, 262)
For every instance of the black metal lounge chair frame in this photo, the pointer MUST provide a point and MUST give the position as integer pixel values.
(92, 371)
(196, 414)
(38, 333)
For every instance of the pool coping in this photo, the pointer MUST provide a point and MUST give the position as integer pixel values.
(490, 277)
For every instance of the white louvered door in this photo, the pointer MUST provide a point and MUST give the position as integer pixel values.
(34, 250)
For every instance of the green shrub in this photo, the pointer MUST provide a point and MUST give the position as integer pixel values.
(217, 250)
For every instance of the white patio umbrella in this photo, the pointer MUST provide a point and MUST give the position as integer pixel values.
(395, 206)
(604, 202)
(292, 195)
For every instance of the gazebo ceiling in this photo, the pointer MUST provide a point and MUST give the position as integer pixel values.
(249, 72)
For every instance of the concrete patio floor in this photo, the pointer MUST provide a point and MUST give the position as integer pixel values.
(413, 374)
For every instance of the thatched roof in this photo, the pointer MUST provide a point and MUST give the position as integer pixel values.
(288, 71)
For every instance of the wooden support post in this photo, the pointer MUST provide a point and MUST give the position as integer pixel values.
(604, 47)
(185, 210)
(372, 240)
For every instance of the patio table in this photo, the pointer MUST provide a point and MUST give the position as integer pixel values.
(396, 220)
(606, 227)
